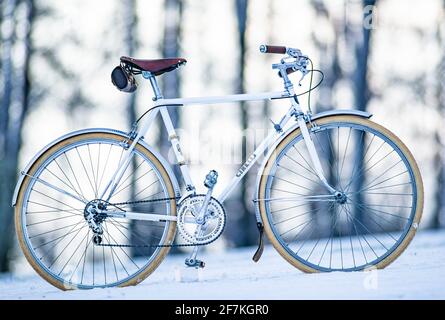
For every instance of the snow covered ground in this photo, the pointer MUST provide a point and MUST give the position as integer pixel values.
(418, 274)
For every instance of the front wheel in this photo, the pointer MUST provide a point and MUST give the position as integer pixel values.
(56, 232)
(372, 218)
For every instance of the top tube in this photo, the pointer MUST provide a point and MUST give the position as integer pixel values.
(222, 99)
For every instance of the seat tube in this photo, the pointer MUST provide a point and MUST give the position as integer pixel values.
(174, 140)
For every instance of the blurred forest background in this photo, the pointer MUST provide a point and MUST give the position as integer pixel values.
(383, 56)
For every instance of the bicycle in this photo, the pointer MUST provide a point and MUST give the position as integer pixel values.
(101, 208)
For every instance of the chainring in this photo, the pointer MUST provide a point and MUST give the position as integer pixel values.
(210, 230)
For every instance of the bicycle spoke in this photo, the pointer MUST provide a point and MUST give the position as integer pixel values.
(379, 225)
(128, 185)
(292, 183)
(74, 175)
(87, 245)
(63, 250)
(395, 176)
(352, 247)
(72, 255)
(297, 216)
(313, 173)
(84, 169)
(51, 241)
(364, 165)
(51, 220)
(380, 211)
(344, 154)
(129, 176)
(112, 238)
(305, 161)
(117, 224)
(58, 201)
(146, 188)
(92, 171)
(296, 227)
(358, 237)
(69, 186)
(325, 153)
(105, 166)
(314, 181)
(381, 175)
(327, 197)
(115, 253)
(49, 185)
(57, 229)
(363, 236)
(82, 257)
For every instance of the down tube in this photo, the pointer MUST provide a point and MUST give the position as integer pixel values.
(272, 137)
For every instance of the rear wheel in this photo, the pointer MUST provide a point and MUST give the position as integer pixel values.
(51, 220)
(368, 223)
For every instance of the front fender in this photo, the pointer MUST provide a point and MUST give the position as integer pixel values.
(320, 115)
(94, 130)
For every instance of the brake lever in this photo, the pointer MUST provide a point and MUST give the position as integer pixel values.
(304, 72)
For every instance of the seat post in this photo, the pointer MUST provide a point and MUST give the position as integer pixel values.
(154, 85)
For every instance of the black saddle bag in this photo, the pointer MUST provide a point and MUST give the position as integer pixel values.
(123, 79)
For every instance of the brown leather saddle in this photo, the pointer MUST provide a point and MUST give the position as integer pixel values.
(156, 66)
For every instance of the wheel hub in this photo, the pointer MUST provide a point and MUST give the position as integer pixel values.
(340, 197)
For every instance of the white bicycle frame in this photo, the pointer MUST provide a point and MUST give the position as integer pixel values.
(160, 106)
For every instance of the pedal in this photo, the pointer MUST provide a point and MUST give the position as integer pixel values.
(260, 249)
(211, 179)
(194, 263)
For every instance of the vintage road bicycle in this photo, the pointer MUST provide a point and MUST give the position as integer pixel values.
(101, 208)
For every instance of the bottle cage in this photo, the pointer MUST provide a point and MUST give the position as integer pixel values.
(123, 79)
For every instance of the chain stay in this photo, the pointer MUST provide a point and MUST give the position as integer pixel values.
(150, 245)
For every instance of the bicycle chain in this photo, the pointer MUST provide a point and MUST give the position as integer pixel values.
(150, 245)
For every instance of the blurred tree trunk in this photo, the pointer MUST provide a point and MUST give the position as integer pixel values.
(171, 48)
(171, 80)
(11, 123)
(130, 25)
(329, 63)
(244, 232)
(130, 32)
(439, 137)
(129, 16)
(361, 95)
(270, 39)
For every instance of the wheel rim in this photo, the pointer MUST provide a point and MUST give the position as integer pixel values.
(353, 231)
(67, 252)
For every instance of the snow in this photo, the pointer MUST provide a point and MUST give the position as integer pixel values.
(418, 274)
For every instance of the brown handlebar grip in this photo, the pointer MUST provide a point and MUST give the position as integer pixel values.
(272, 49)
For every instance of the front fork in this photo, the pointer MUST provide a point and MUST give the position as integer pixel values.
(313, 153)
(301, 119)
